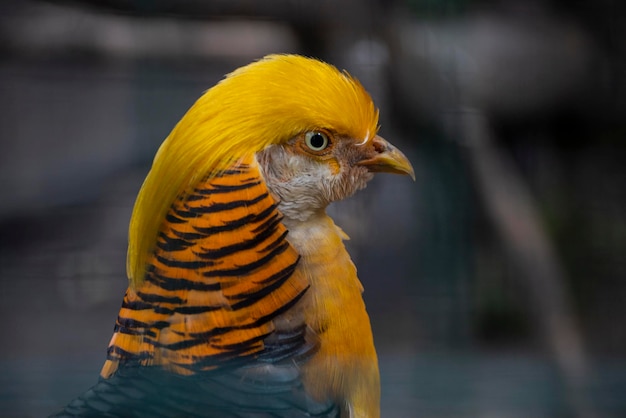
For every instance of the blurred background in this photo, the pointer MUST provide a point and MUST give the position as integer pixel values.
(495, 282)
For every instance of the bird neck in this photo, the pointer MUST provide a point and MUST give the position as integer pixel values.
(316, 237)
(326, 264)
(345, 366)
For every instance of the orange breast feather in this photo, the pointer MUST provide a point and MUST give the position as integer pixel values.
(221, 271)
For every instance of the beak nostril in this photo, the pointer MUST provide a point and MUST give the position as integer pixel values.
(379, 146)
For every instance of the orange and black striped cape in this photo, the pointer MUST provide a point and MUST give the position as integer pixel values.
(197, 337)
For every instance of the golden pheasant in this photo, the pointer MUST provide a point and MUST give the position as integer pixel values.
(243, 301)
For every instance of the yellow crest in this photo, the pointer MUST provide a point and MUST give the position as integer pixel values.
(263, 103)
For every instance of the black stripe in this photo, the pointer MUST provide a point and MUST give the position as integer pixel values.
(206, 335)
(188, 235)
(278, 275)
(235, 169)
(195, 197)
(283, 308)
(213, 332)
(274, 244)
(235, 248)
(269, 223)
(219, 207)
(253, 297)
(134, 331)
(172, 244)
(173, 219)
(242, 344)
(247, 268)
(228, 226)
(114, 349)
(136, 305)
(238, 223)
(181, 344)
(249, 179)
(160, 324)
(223, 188)
(134, 324)
(186, 214)
(131, 323)
(141, 305)
(229, 172)
(190, 265)
(194, 310)
(152, 298)
(169, 283)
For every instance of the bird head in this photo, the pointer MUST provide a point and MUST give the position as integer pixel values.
(312, 128)
(317, 167)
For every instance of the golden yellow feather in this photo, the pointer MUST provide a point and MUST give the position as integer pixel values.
(264, 103)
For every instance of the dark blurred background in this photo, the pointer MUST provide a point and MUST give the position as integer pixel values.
(495, 282)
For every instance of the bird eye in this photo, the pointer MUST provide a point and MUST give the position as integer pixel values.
(316, 141)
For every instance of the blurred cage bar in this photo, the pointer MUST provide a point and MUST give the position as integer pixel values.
(495, 283)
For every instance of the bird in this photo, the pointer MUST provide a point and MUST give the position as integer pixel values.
(242, 299)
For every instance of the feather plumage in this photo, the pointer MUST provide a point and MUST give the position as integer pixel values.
(243, 300)
(221, 271)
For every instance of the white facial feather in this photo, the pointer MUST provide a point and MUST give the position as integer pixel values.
(305, 185)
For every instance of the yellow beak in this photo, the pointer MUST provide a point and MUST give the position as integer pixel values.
(382, 157)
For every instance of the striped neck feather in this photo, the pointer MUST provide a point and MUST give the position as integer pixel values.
(264, 103)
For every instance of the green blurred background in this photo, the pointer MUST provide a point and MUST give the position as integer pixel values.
(495, 282)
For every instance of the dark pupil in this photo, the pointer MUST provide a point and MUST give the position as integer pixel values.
(317, 141)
